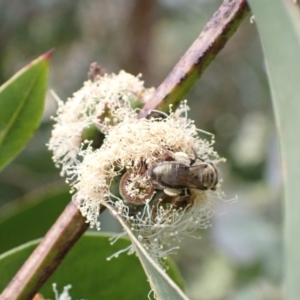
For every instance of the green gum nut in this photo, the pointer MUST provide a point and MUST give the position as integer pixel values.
(92, 133)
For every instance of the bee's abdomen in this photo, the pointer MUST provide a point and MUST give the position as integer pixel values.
(209, 176)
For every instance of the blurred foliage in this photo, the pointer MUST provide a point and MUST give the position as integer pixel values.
(29, 214)
(283, 20)
(83, 262)
(240, 257)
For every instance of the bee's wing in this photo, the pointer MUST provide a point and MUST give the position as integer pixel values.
(172, 174)
(194, 178)
(186, 177)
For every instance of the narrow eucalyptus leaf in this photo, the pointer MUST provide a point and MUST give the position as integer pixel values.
(278, 24)
(162, 285)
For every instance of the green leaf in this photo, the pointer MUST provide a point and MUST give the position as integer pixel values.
(278, 24)
(21, 107)
(87, 269)
(31, 217)
(162, 285)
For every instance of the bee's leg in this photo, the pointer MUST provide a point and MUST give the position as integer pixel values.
(193, 160)
(185, 192)
(172, 192)
(184, 199)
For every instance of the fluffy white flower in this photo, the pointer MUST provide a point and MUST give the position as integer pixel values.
(118, 172)
(128, 151)
(101, 103)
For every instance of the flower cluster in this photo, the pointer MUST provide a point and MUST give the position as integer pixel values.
(118, 172)
(97, 106)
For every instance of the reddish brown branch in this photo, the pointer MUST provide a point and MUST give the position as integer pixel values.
(188, 70)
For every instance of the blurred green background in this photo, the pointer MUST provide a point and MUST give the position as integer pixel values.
(240, 257)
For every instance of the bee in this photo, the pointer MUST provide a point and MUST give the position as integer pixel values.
(175, 177)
